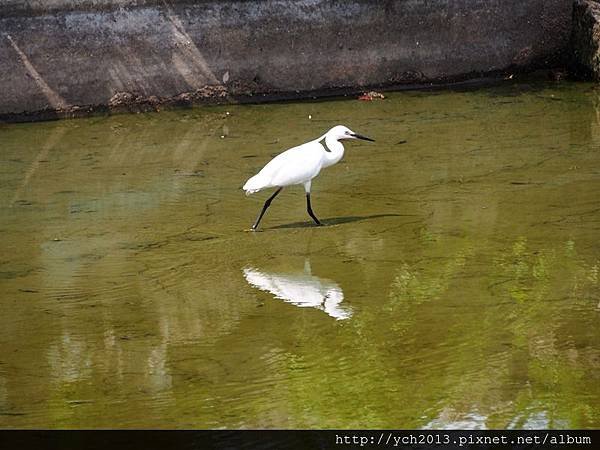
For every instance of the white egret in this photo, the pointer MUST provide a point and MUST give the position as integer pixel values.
(299, 165)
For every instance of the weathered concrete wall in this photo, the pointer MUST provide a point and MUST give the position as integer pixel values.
(72, 54)
(586, 39)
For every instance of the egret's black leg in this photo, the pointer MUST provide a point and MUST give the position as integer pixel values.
(310, 211)
(267, 204)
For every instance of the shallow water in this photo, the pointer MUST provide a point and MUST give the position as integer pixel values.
(455, 285)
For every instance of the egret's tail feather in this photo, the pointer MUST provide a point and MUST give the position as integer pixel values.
(253, 185)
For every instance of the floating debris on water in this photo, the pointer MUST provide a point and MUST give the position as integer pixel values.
(371, 95)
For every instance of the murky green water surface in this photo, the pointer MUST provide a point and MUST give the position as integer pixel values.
(456, 284)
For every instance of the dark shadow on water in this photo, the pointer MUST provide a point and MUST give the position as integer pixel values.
(330, 221)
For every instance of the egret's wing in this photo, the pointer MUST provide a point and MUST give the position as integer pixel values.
(294, 166)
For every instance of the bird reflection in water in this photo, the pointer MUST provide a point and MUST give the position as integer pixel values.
(302, 289)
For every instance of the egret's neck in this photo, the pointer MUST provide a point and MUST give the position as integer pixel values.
(334, 150)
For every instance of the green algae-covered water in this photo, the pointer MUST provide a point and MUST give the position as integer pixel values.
(456, 283)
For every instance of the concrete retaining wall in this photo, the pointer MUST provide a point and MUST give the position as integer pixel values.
(585, 41)
(74, 55)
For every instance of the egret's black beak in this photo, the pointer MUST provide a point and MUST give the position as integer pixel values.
(364, 138)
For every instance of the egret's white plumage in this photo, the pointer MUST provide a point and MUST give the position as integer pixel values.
(299, 165)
